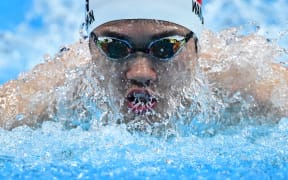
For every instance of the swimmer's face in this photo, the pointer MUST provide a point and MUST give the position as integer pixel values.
(142, 79)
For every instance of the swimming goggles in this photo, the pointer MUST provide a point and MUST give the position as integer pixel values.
(163, 49)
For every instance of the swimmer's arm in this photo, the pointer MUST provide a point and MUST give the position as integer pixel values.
(274, 89)
(31, 99)
(269, 91)
(266, 82)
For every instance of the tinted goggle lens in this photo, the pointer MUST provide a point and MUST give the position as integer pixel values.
(162, 49)
(165, 48)
(114, 48)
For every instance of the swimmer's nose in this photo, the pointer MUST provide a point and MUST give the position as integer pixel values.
(141, 71)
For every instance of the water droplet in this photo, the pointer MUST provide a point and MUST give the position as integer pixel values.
(101, 77)
(47, 58)
(20, 117)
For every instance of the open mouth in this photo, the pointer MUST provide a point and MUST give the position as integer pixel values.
(140, 101)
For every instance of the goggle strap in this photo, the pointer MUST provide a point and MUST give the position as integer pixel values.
(189, 35)
(192, 35)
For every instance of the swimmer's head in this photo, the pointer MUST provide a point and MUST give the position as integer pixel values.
(187, 13)
(149, 65)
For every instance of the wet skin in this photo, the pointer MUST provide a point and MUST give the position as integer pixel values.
(140, 72)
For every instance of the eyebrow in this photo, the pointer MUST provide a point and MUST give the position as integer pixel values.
(115, 34)
(165, 34)
(127, 37)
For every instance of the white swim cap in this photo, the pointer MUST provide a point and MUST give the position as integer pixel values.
(187, 13)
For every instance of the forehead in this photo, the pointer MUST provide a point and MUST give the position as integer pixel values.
(140, 27)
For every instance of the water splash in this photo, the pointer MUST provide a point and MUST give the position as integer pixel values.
(111, 152)
(83, 142)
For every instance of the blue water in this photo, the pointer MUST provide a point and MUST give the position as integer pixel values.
(250, 152)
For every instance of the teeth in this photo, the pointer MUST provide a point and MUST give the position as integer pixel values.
(141, 102)
(138, 101)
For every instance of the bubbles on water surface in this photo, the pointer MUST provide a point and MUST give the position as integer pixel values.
(111, 151)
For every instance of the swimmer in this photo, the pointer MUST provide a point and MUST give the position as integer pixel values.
(147, 61)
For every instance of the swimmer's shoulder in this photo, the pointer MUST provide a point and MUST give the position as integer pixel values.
(17, 97)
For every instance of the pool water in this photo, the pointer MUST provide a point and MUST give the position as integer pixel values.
(242, 150)
(250, 152)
